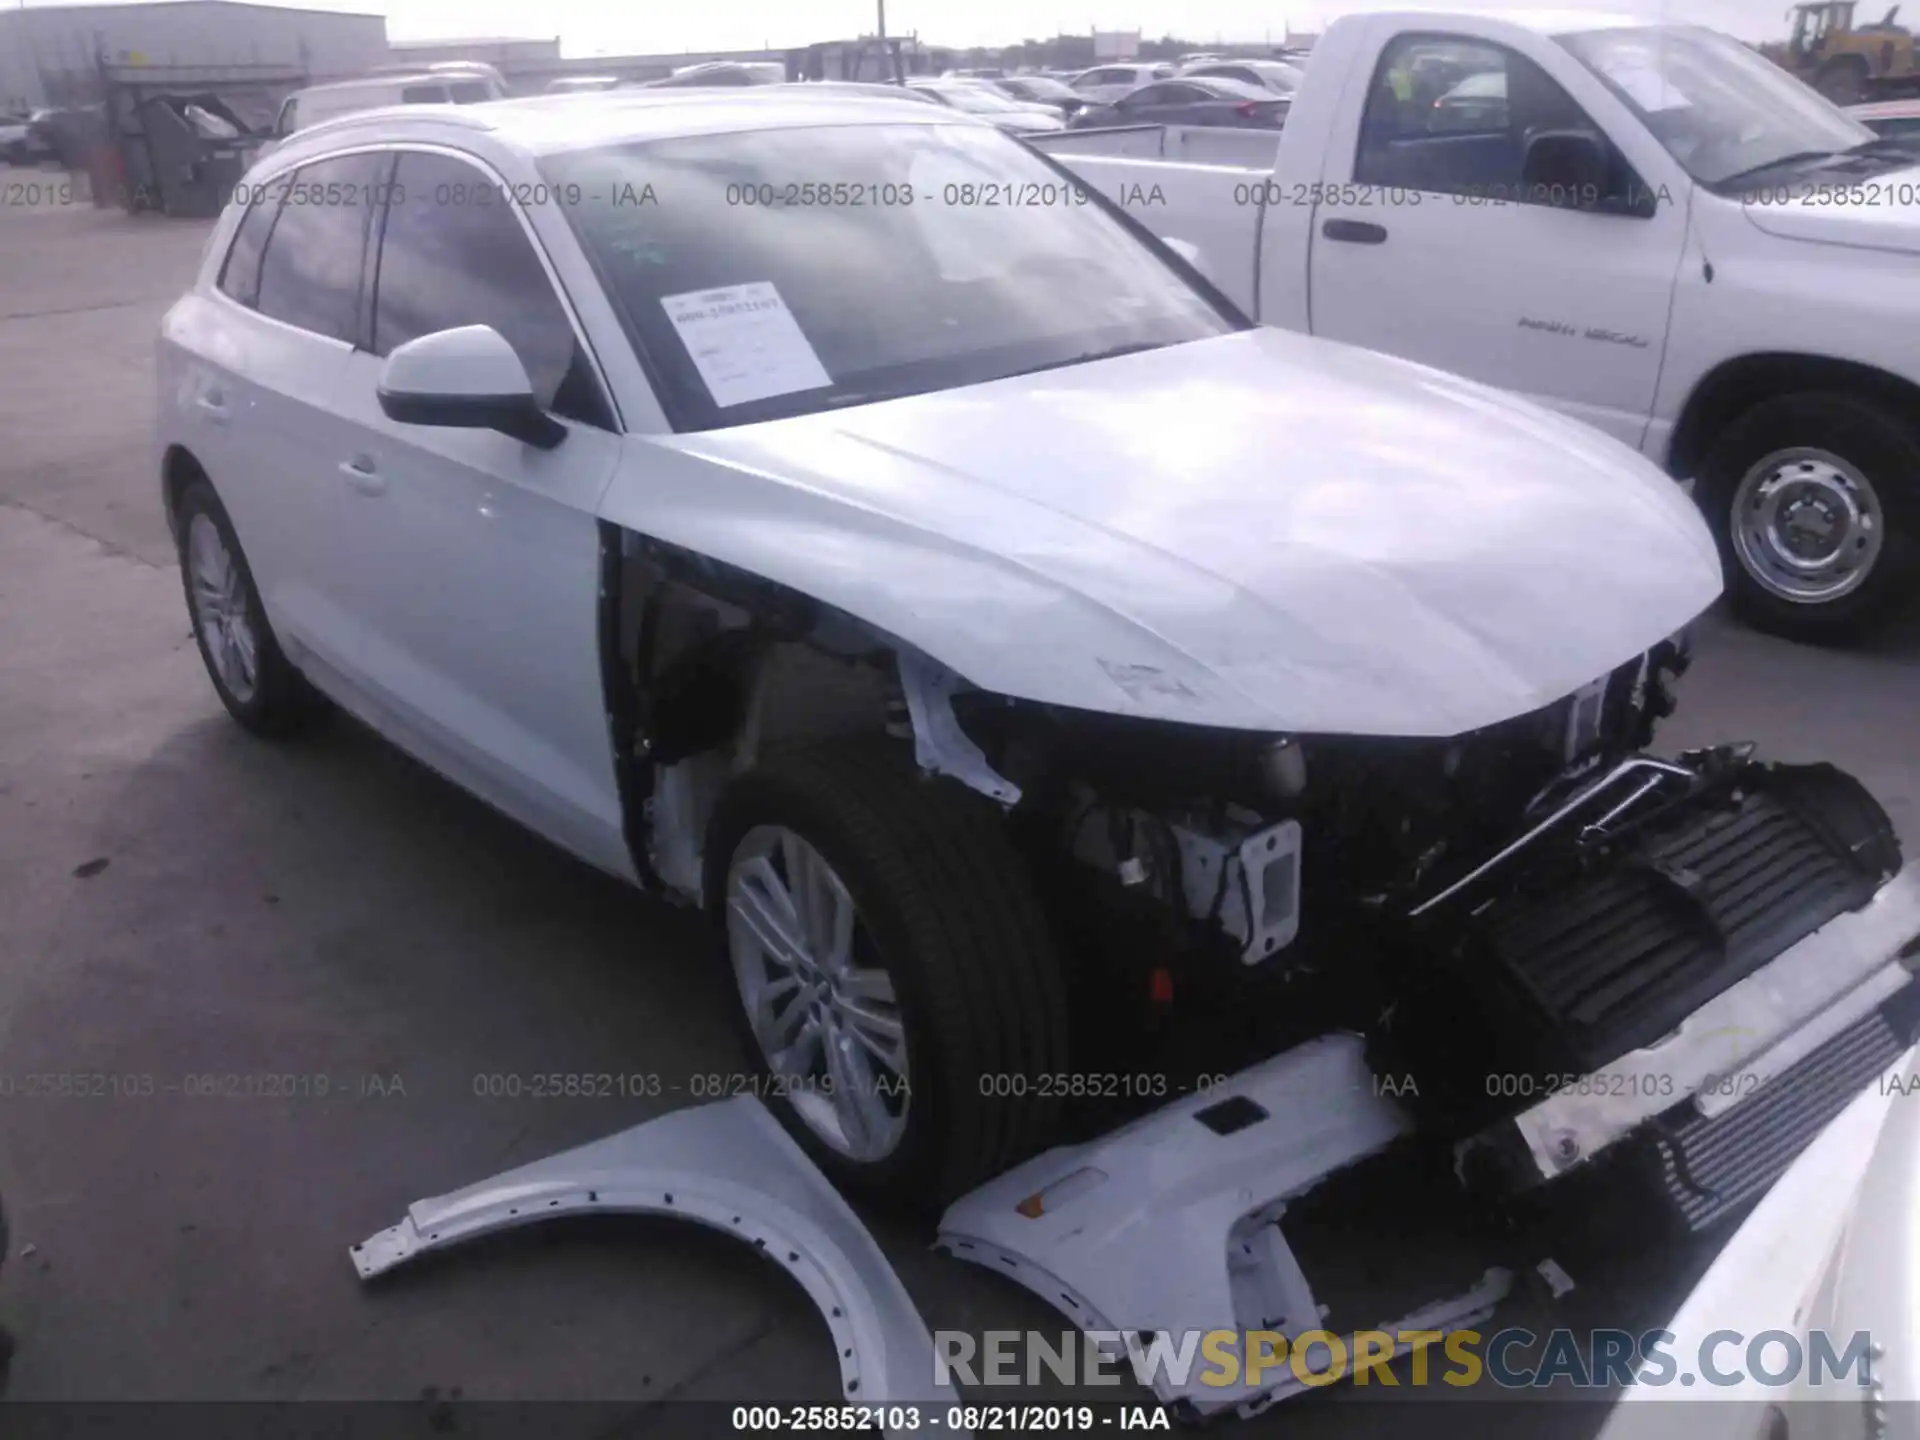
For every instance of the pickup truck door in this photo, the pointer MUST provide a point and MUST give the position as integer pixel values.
(1427, 243)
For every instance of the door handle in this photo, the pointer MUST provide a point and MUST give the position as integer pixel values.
(1355, 232)
(362, 476)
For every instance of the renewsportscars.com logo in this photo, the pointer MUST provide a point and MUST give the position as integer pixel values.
(1509, 1359)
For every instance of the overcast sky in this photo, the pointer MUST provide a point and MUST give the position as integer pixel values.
(588, 27)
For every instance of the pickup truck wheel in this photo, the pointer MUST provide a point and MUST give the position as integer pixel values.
(896, 973)
(254, 680)
(1815, 499)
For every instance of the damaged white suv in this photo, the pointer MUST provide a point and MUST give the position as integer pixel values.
(822, 510)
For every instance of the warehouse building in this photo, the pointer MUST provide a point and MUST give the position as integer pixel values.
(54, 55)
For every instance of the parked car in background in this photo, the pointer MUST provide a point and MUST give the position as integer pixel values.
(24, 139)
(1899, 118)
(1110, 82)
(873, 89)
(467, 69)
(1040, 90)
(1477, 103)
(800, 562)
(418, 87)
(1018, 117)
(13, 139)
(722, 73)
(582, 84)
(1650, 227)
(1190, 100)
(1278, 76)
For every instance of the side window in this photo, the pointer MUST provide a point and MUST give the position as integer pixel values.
(469, 92)
(1456, 116)
(240, 274)
(1147, 95)
(423, 95)
(310, 276)
(289, 120)
(454, 254)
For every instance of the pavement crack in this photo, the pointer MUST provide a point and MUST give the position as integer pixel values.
(105, 544)
(81, 309)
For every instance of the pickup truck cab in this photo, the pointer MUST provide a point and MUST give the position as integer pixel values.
(1646, 226)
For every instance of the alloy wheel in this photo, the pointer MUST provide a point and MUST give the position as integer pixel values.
(824, 1014)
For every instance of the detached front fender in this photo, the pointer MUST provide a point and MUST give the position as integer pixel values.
(728, 1166)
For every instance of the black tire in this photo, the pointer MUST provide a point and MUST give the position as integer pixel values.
(954, 918)
(1883, 446)
(282, 701)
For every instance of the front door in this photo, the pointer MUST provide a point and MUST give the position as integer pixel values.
(1431, 247)
(480, 554)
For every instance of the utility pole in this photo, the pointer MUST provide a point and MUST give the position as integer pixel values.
(887, 55)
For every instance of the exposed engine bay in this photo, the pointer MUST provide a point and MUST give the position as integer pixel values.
(1500, 914)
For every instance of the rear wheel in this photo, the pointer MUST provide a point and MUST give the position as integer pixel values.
(897, 978)
(254, 680)
(1816, 501)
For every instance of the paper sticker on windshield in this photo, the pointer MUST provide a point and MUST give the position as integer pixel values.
(745, 342)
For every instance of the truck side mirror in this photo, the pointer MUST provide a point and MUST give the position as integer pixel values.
(1566, 169)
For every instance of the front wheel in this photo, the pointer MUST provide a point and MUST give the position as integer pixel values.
(1815, 499)
(897, 977)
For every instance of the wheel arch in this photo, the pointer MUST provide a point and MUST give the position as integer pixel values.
(1736, 386)
(704, 664)
(179, 467)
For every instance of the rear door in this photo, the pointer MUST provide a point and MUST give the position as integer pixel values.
(479, 555)
(1430, 246)
(293, 283)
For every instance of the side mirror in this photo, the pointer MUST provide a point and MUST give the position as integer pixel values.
(1565, 168)
(468, 379)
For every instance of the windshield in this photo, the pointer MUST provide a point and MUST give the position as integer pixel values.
(1721, 109)
(913, 258)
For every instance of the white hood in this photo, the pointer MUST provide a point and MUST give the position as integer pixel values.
(1878, 214)
(1262, 531)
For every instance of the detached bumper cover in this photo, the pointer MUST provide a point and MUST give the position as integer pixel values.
(1736, 1043)
(1170, 1227)
(728, 1166)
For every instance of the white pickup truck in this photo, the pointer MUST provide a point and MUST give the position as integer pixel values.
(1646, 226)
